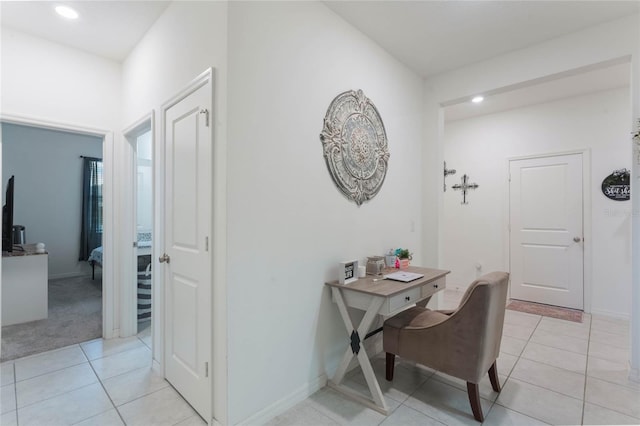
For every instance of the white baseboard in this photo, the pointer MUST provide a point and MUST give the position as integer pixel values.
(155, 366)
(69, 275)
(111, 334)
(282, 405)
(616, 315)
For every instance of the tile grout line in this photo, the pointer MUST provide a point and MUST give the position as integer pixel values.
(108, 396)
(52, 371)
(495, 401)
(114, 353)
(586, 376)
(514, 366)
(105, 389)
(56, 396)
(555, 347)
(15, 391)
(555, 366)
(147, 394)
(585, 371)
(586, 368)
(315, 409)
(402, 403)
(15, 378)
(33, 356)
(126, 372)
(615, 411)
(434, 375)
(57, 370)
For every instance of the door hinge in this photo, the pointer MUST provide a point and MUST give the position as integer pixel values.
(206, 115)
(135, 244)
(206, 369)
(206, 243)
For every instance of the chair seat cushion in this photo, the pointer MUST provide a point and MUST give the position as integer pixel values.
(412, 318)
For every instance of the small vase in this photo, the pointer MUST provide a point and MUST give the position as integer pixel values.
(390, 260)
(403, 263)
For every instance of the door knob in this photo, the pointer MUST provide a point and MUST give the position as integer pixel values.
(164, 258)
(577, 239)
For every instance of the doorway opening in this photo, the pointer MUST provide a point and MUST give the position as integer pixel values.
(144, 228)
(49, 297)
(138, 299)
(587, 111)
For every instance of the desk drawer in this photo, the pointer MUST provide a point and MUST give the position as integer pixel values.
(403, 299)
(433, 287)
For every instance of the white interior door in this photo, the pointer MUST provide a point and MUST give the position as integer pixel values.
(187, 282)
(546, 223)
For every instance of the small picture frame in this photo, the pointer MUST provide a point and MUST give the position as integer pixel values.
(348, 272)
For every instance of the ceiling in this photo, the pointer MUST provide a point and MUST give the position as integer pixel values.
(430, 37)
(106, 28)
(605, 78)
(433, 37)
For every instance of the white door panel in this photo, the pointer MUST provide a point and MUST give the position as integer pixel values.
(546, 209)
(188, 195)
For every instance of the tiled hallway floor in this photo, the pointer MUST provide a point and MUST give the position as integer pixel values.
(552, 372)
(98, 383)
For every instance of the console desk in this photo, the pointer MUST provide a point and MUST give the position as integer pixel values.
(24, 286)
(377, 297)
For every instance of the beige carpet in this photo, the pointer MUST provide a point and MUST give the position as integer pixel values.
(546, 310)
(75, 315)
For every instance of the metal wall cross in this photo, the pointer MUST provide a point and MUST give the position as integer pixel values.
(465, 186)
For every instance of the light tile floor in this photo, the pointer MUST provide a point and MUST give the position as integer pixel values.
(552, 372)
(100, 383)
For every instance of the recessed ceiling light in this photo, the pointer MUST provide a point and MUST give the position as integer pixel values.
(477, 99)
(67, 12)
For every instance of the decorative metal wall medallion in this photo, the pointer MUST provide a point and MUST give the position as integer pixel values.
(355, 146)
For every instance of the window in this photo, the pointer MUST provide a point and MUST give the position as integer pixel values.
(92, 183)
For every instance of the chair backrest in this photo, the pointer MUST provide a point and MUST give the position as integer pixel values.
(480, 318)
(463, 344)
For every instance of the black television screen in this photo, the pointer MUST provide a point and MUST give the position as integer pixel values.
(7, 218)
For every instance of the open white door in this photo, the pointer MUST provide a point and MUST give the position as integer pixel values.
(187, 257)
(546, 218)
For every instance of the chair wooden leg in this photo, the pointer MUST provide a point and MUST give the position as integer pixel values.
(391, 359)
(474, 399)
(493, 376)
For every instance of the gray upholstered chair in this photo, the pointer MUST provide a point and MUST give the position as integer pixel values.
(463, 343)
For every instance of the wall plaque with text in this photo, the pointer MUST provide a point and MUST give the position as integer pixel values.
(617, 185)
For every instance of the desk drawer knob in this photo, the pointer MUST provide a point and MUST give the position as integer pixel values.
(407, 298)
(435, 286)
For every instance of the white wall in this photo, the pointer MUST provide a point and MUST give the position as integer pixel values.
(480, 147)
(53, 85)
(188, 38)
(598, 44)
(288, 224)
(144, 189)
(635, 225)
(48, 81)
(48, 190)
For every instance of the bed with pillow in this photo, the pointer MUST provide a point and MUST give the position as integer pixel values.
(95, 258)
